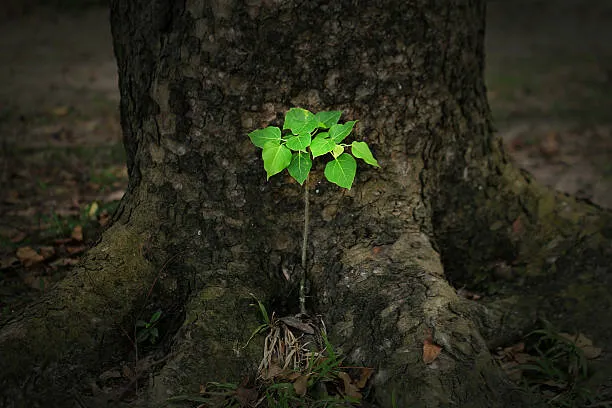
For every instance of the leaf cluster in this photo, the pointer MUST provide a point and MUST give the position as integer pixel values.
(308, 136)
(148, 330)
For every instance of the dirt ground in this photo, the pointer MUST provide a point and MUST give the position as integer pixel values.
(549, 78)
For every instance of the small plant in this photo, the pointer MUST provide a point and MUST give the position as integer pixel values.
(306, 137)
(559, 368)
(147, 331)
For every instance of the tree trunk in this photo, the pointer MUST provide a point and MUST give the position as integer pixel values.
(200, 231)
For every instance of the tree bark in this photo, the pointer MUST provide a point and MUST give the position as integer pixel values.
(200, 231)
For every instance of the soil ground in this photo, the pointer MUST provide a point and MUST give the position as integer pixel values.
(549, 78)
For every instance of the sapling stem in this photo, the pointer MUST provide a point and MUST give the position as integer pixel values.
(311, 136)
(304, 246)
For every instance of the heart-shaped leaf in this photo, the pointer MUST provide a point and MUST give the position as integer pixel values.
(338, 150)
(327, 119)
(341, 171)
(300, 121)
(339, 132)
(260, 137)
(299, 142)
(361, 150)
(321, 144)
(276, 158)
(300, 166)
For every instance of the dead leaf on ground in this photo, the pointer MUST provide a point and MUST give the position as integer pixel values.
(464, 293)
(350, 389)
(104, 218)
(114, 196)
(364, 375)
(300, 385)
(28, 256)
(18, 237)
(73, 250)
(431, 351)
(584, 343)
(246, 396)
(549, 146)
(60, 111)
(273, 371)
(77, 233)
(46, 252)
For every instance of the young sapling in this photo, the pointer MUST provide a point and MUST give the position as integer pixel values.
(306, 136)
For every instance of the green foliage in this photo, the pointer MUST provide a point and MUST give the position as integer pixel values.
(310, 136)
(318, 385)
(559, 371)
(147, 331)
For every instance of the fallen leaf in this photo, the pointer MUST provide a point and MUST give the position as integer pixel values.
(64, 262)
(350, 390)
(104, 218)
(431, 351)
(77, 233)
(72, 250)
(246, 396)
(584, 343)
(93, 210)
(550, 145)
(28, 256)
(62, 241)
(18, 237)
(114, 196)
(46, 252)
(273, 371)
(300, 385)
(364, 375)
(297, 324)
(466, 294)
(60, 111)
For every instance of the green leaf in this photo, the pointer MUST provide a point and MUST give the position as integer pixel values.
(361, 150)
(155, 316)
(260, 137)
(300, 166)
(338, 150)
(321, 144)
(275, 157)
(299, 142)
(338, 132)
(341, 171)
(300, 121)
(327, 119)
(142, 336)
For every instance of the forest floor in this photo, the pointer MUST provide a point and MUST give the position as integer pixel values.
(62, 171)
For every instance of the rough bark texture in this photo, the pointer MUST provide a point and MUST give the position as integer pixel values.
(202, 227)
